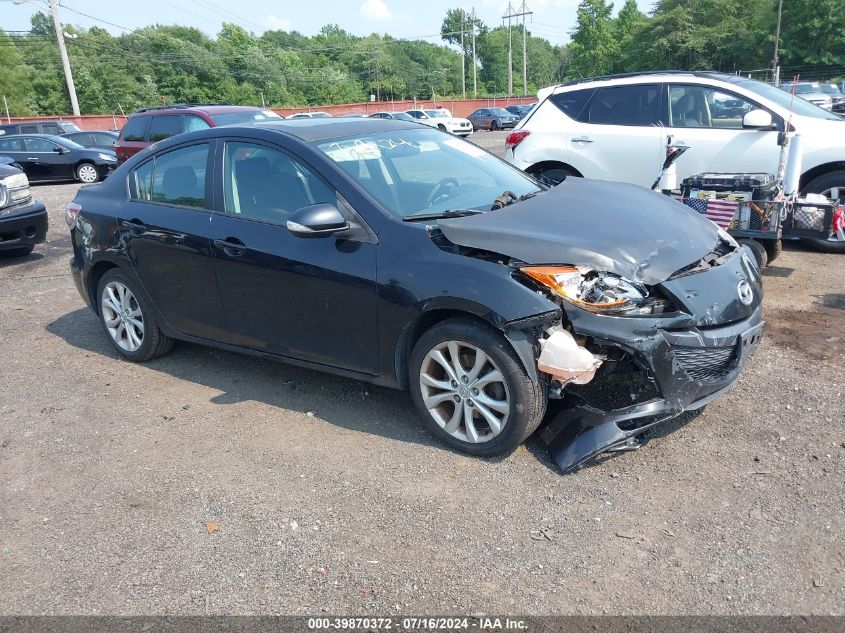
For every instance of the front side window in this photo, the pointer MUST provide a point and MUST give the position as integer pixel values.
(40, 145)
(135, 128)
(262, 183)
(29, 129)
(422, 170)
(625, 105)
(164, 127)
(179, 176)
(701, 106)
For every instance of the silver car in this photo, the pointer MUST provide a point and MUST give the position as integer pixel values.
(809, 91)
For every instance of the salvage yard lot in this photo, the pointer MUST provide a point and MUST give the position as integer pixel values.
(327, 494)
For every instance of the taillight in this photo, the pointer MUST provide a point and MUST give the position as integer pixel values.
(515, 138)
(72, 213)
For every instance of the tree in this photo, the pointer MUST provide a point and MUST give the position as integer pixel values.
(594, 47)
(626, 26)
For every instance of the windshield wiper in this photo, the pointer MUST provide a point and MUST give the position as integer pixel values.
(436, 215)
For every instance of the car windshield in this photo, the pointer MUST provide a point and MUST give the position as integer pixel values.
(803, 89)
(831, 89)
(402, 116)
(437, 114)
(70, 126)
(785, 100)
(500, 111)
(66, 142)
(424, 171)
(320, 115)
(243, 116)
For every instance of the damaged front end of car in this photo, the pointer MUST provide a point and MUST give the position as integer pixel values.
(649, 326)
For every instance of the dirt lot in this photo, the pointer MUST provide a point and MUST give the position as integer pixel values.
(330, 497)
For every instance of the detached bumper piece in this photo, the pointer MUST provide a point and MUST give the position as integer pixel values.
(687, 369)
(22, 226)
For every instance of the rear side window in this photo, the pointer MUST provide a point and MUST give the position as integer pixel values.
(135, 128)
(625, 105)
(179, 176)
(50, 128)
(103, 139)
(29, 129)
(572, 103)
(164, 127)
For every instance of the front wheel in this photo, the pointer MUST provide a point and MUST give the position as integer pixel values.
(129, 324)
(494, 126)
(87, 173)
(471, 389)
(832, 185)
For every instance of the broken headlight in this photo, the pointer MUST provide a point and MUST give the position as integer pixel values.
(598, 291)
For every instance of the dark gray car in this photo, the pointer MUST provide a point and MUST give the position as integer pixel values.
(492, 119)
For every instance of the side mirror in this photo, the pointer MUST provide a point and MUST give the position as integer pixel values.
(757, 119)
(317, 220)
(59, 150)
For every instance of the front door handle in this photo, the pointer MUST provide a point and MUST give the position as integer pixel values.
(232, 246)
(32, 158)
(582, 139)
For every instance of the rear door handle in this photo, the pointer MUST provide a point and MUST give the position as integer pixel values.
(232, 246)
(32, 158)
(582, 139)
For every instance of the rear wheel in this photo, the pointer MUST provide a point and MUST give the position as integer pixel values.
(832, 185)
(758, 250)
(773, 249)
(553, 174)
(129, 324)
(87, 173)
(471, 389)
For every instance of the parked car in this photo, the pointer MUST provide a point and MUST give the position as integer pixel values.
(399, 116)
(351, 115)
(46, 157)
(837, 97)
(149, 125)
(492, 119)
(310, 115)
(617, 127)
(443, 120)
(520, 110)
(482, 314)
(39, 127)
(94, 139)
(809, 91)
(23, 221)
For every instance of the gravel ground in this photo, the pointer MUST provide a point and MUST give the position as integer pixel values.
(328, 495)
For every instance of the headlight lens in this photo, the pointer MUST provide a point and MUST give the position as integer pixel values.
(3, 196)
(598, 291)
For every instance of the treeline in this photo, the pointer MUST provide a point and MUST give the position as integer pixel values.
(167, 64)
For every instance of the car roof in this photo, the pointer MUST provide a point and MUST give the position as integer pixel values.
(208, 108)
(309, 130)
(48, 137)
(661, 74)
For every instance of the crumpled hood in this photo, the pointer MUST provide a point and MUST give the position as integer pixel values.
(622, 228)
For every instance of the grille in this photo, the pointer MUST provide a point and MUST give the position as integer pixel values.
(705, 363)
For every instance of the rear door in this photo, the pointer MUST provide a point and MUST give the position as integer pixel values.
(709, 121)
(165, 227)
(617, 135)
(310, 299)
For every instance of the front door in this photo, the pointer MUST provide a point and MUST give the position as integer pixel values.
(311, 299)
(47, 160)
(165, 225)
(709, 121)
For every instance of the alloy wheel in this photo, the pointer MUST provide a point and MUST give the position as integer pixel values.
(465, 392)
(87, 173)
(122, 316)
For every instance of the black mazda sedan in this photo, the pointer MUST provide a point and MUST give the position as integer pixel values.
(386, 252)
(47, 157)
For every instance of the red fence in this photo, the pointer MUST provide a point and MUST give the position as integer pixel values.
(458, 107)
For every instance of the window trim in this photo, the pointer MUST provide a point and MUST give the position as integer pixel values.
(208, 193)
(664, 111)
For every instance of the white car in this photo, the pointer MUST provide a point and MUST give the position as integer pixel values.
(443, 120)
(309, 115)
(617, 128)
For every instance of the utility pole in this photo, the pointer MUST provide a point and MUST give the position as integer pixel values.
(474, 64)
(463, 60)
(60, 36)
(523, 11)
(775, 61)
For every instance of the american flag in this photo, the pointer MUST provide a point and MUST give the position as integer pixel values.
(719, 211)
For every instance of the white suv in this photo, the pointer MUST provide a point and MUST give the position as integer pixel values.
(616, 128)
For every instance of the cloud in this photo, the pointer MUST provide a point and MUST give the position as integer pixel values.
(375, 11)
(275, 23)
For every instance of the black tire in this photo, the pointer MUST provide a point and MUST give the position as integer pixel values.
(21, 251)
(773, 249)
(553, 175)
(441, 127)
(155, 342)
(528, 399)
(821, 184)
(758, 250)
(87, 167)
(494, 126)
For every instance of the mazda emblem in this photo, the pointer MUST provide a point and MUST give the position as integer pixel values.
(745, 292)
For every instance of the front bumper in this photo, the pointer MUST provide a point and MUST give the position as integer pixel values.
(689, 368)
(23, 225)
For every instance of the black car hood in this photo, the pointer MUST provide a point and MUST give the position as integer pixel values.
(622, 228)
